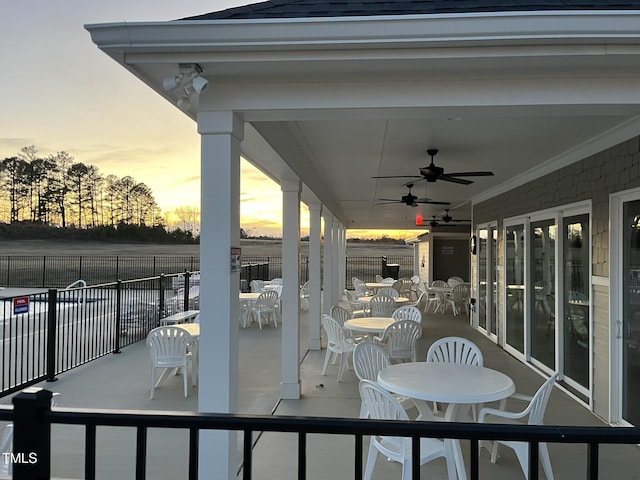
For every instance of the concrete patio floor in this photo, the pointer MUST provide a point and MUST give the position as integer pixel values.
(121, 382)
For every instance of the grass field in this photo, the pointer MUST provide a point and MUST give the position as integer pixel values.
(266, 248)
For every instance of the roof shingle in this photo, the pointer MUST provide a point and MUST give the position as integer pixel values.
(343, 8)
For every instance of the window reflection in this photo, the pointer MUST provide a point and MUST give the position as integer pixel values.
(577, 300)
(543, 315)
(514, 243)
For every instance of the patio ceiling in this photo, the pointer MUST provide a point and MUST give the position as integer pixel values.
(338, 101)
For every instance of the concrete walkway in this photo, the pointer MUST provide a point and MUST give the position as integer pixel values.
(121, 382)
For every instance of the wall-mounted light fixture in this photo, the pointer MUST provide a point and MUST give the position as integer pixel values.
(188, 80)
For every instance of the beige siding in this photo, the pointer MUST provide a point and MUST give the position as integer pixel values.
(601, 347)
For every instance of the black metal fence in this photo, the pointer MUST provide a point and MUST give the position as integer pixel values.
(50, 271)
(45, 334)
(32, 417)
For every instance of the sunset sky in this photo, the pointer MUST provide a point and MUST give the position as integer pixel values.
(62, 93)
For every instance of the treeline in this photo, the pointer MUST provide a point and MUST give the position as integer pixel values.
(60, 192)
(121, 233)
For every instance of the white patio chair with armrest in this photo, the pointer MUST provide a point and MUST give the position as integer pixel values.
(399, 340)
(265, 306)
(459, 298)
(342, 315)
(534, 413)
(382, 405)
(358, 309)
(388, 280)
(169, 349)
(360, 287)
(368, 360)
(337, 344)
(415, 284)
(407, 312)
(437, 299)
(304, 295)
(381, 306)
(421, 294)
(389, 292)
(456, 350)
(454, 280)
(257, 286)
(405, 285)
(379, 278)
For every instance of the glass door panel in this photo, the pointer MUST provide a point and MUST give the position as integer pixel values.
(543, 274)
(631, 313)
(482, 278)
(577, 299)
(514, 276)
(493, 281)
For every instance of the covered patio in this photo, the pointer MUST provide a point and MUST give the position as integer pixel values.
(323, 97)
(121, 382)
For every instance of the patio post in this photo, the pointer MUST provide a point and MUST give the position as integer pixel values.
(31, 456)
(315, 274)
(328, 261)
(290, 385)
(221, 135)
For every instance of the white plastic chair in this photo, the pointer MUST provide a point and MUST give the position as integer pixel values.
(399, 340)
(459, 298)
(257, 286)
(341, 315)
(456, 350)
(437, 299)
(169, 349)
(382, 405)
(389, 292)
(358, 309)
(304, 296)
(454, 280)
(360, 287)
(422, 294)
(337, 344)
(368, 360)
(264, 307)
(534, 412)
(276, 281)
(407, 312)
(381, 306)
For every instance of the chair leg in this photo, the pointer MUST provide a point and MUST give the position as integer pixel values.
(153, 382)
(327, 357)
(185, 380)
(371, 461)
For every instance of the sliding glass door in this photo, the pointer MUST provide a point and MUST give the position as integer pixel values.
(514, 276)
(542, 302)
(487, 279)
(577, 299)
(631, 312)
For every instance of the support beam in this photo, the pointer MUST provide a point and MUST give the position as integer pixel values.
(290, 386)
(328, 261)
(315, 274)
(221, 135)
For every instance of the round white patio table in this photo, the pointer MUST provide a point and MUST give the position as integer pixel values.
(399, 300)
(194, 330)
(450, 383)
(375, 286)
(247, 299)
(369, 324)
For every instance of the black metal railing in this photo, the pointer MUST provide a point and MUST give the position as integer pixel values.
(50, 271)
(32, 417)
(45, 334)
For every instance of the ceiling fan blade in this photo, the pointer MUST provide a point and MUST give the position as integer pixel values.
(432, 202)
(399, 176)
(387, 202)
(470, 174)
(449, 178)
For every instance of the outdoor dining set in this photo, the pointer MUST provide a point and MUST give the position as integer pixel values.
(450, 384)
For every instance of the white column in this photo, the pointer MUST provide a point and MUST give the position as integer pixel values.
(343, 260)
(315, 275)
(328, 261)
(221, 134)
(335, 284)
(290, 386)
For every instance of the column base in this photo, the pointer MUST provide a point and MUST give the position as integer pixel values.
(290, 391)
